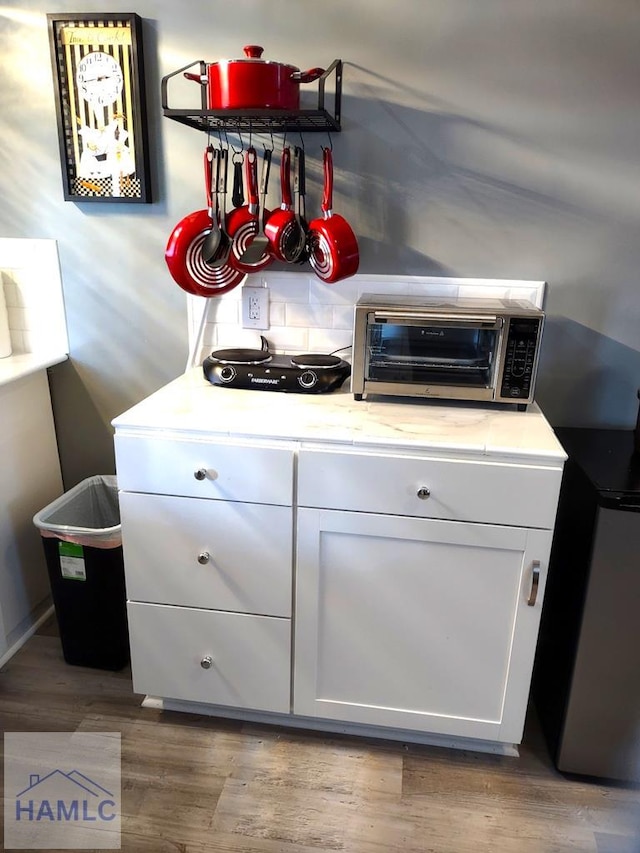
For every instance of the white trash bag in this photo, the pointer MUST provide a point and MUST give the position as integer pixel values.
(88, 514)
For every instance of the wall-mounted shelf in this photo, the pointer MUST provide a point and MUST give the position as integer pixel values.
(263, 121)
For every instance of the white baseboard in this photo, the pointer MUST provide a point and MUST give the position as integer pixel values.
(24, 632)
(313, 724)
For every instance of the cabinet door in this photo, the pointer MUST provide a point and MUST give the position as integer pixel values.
(416, 624)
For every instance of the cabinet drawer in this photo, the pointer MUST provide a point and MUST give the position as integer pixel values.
(201, 553)
(205, 469)
(250, 656)
(507, 494)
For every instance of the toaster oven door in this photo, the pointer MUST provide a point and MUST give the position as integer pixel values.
(434, 350)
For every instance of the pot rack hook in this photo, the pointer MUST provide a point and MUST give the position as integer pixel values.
(273, 145)
(237, 152)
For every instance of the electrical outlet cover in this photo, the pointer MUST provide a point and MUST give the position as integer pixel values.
(255, 308)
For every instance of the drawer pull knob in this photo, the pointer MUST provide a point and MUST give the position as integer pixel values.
(204, 557)
(206, 662)
(535, 582)
(200, 474)
(424, 493)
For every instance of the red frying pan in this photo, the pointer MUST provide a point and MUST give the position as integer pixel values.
(184, 254)
(282, 228)
(334, 248)
(242, 222)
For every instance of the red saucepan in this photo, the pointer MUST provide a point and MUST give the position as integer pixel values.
(242, 222)
(282, 228)
(184, 254)
(334, 248)
(253, 83)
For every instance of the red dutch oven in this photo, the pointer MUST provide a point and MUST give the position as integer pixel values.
(334, 252)
(253, 83)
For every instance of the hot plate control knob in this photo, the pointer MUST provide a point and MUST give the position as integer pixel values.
(228, 373)
(308, 379)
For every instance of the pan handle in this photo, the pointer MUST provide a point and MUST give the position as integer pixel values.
(327, 196)
(223, 155)
(209, 154)
(299, 180)
(285, 179)
(307, 76)
(251, 161)
(197, 78)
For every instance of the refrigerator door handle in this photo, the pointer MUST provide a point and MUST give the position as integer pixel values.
(535, 582)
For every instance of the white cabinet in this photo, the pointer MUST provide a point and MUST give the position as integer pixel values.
(351, 573)
(208, 569)
(414, 608)
(416, 624)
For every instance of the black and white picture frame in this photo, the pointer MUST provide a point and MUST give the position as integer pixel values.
(98, 75)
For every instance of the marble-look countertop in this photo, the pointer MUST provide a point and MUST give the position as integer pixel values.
(190, 403)
(15, 367)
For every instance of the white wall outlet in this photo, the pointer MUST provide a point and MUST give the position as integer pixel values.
(255, 307)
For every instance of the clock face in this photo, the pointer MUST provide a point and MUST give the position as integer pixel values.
(99, 79)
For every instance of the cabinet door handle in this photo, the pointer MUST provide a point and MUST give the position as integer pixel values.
(204, 557)
(200, 473)
(535, 582)
(206, 662)
(423, 493)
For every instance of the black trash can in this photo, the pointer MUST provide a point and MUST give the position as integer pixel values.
(82, 541)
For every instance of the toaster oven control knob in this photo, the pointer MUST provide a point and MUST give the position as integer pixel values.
(206, 662)
(308, 379)
(228, 373)
(423, 493)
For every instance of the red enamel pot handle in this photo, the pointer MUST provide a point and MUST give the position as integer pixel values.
(251, 165)
(307, 76)
(285, 180)
(209, 153)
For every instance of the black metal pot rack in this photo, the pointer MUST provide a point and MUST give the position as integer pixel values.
(261, 121)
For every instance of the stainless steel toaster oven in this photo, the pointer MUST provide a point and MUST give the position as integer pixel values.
(482, 349)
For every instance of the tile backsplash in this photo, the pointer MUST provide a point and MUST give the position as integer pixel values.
(306, 315)
(30, 278)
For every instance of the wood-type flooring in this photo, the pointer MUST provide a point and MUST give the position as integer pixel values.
(192, 784)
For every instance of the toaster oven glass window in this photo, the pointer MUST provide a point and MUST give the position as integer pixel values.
(432, 354)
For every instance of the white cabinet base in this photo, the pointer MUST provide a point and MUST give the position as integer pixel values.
(332, 727)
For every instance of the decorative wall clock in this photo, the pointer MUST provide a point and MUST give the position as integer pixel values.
(98, 75)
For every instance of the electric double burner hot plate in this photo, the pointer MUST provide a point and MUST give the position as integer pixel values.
(261, 370)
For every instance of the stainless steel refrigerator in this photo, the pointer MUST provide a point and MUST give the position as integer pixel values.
(586, 683)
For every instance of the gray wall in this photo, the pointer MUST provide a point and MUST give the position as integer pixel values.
(485, 139)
